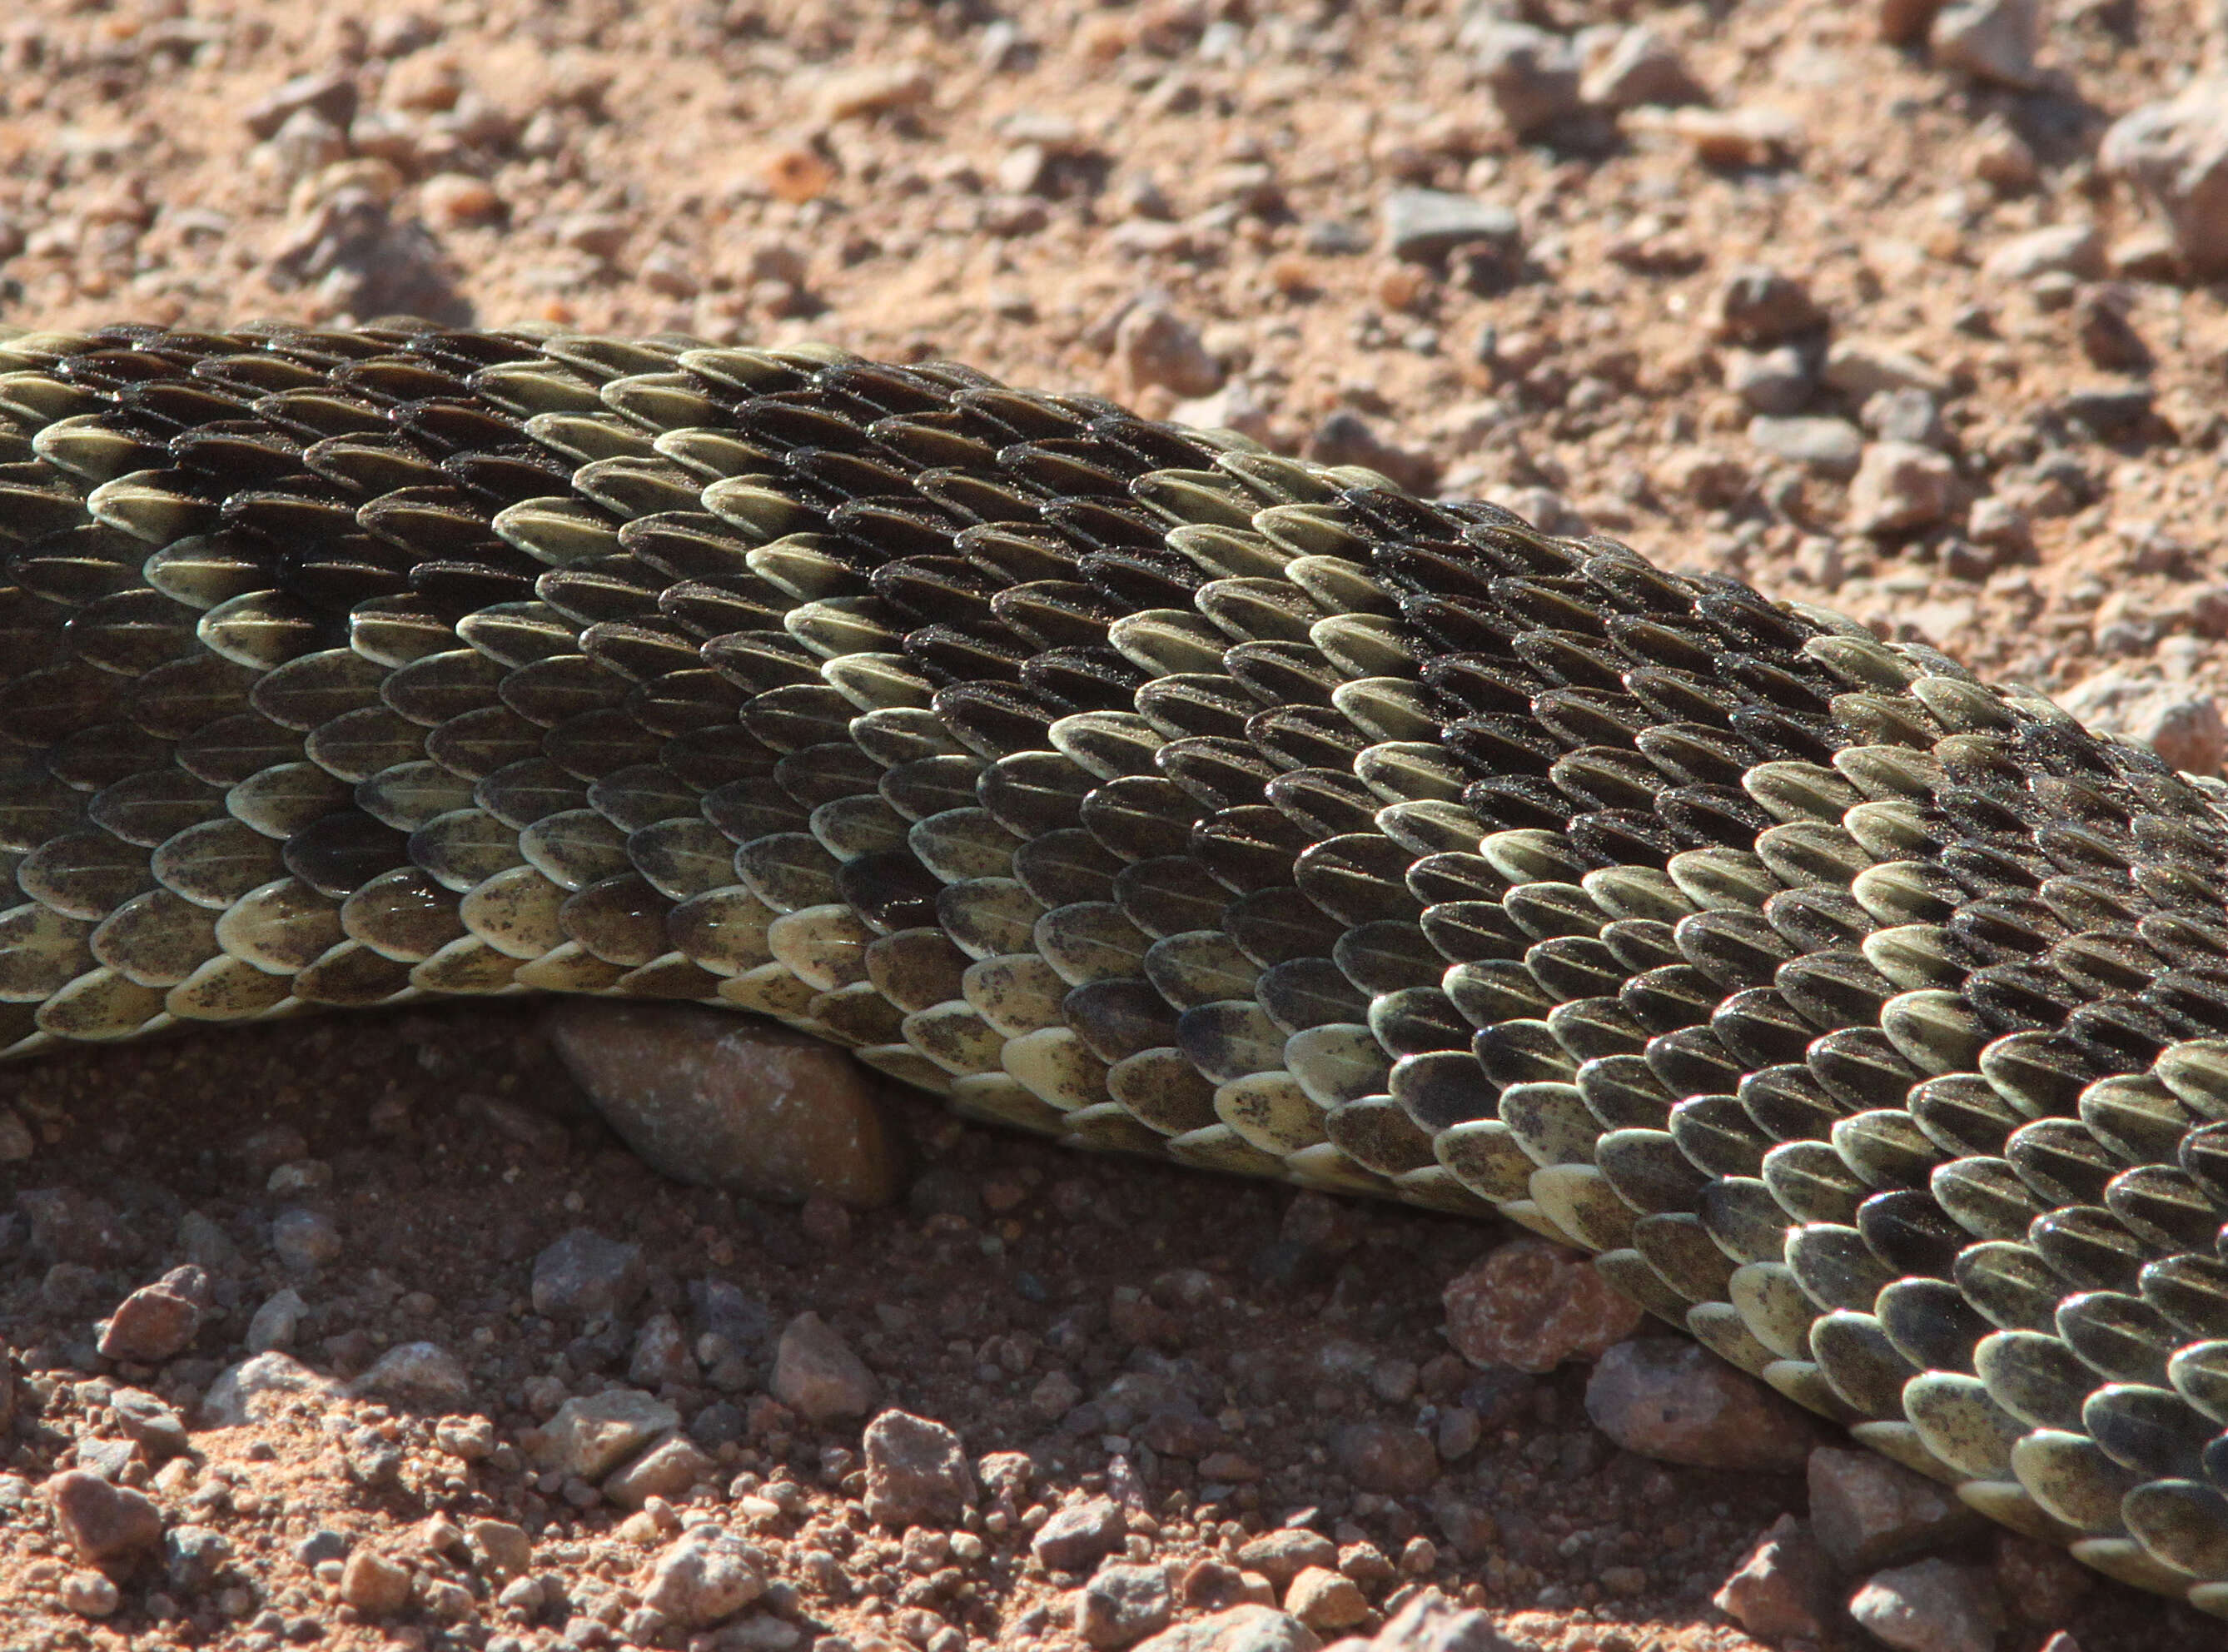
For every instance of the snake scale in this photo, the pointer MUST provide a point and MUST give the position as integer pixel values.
(1136, 785)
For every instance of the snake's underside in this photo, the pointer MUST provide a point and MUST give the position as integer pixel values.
(1139, 786)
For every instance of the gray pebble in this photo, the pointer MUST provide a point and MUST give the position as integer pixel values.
(276, 1322)
(1900, 486)
(192, 1556)
(322, 1544)
(1531, 75)
(150, 1420)
(1424, 225)
(585, 1276)
(1122, 1605)
(1828, 447)
(416, 1376)
(1933, 1606)
(1076, 1538)
(1678, 1403)
(1778, 381)
(916, 1472)
(1867, 1511)
(1908, 414)
(304, 1239)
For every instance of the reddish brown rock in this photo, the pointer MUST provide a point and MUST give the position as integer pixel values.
(1385, 1458)
(1681, 1404)
(1869, 1512)
(150, 1325)
(723, 1101)
(1781, 1590)
(1533, 1305)
(107, 1525)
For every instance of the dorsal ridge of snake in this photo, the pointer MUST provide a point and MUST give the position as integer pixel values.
(1139, 786)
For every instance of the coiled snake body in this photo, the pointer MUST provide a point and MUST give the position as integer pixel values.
(1142, 787)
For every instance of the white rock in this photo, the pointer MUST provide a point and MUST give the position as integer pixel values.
(591, 1436)
(418, 1376)
(1900, 486)
(703, 1576)
(1860, 366)
(2175, 153)
(245, 1391)
(2074, 249)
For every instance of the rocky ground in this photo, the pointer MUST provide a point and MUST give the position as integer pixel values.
(374, 1335)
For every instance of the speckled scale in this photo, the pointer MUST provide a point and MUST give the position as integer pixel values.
(1139, 786)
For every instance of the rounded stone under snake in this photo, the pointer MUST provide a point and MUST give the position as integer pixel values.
(1144, 788)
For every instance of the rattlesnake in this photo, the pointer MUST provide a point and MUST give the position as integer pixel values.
(1145, 788)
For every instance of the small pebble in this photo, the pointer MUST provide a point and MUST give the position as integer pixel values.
(2184, 725)
(1122, 1605)
(817, 1373)
(1780, 1592)
(105, 1523)
(591, 1435)
(1077, 1537)
(153, 1324)
(1993, 40)
(374, 1584)
(1675, 1402)
(1156, 346)
(1532, 1305)
(1932, 1607)
(90, 1595)
(703, 1576)
(1900, 486)
(916, 1472)
(585, 1276)
(416, 1376)
(1325, 1600)
(1531, 74)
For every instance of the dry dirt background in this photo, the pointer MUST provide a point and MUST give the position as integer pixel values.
(1184, 205)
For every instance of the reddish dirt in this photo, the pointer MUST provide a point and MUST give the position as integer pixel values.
(928, 180)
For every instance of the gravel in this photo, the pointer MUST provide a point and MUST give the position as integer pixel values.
(1236, 165)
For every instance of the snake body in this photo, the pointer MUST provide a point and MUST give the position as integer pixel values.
(1136, 785)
